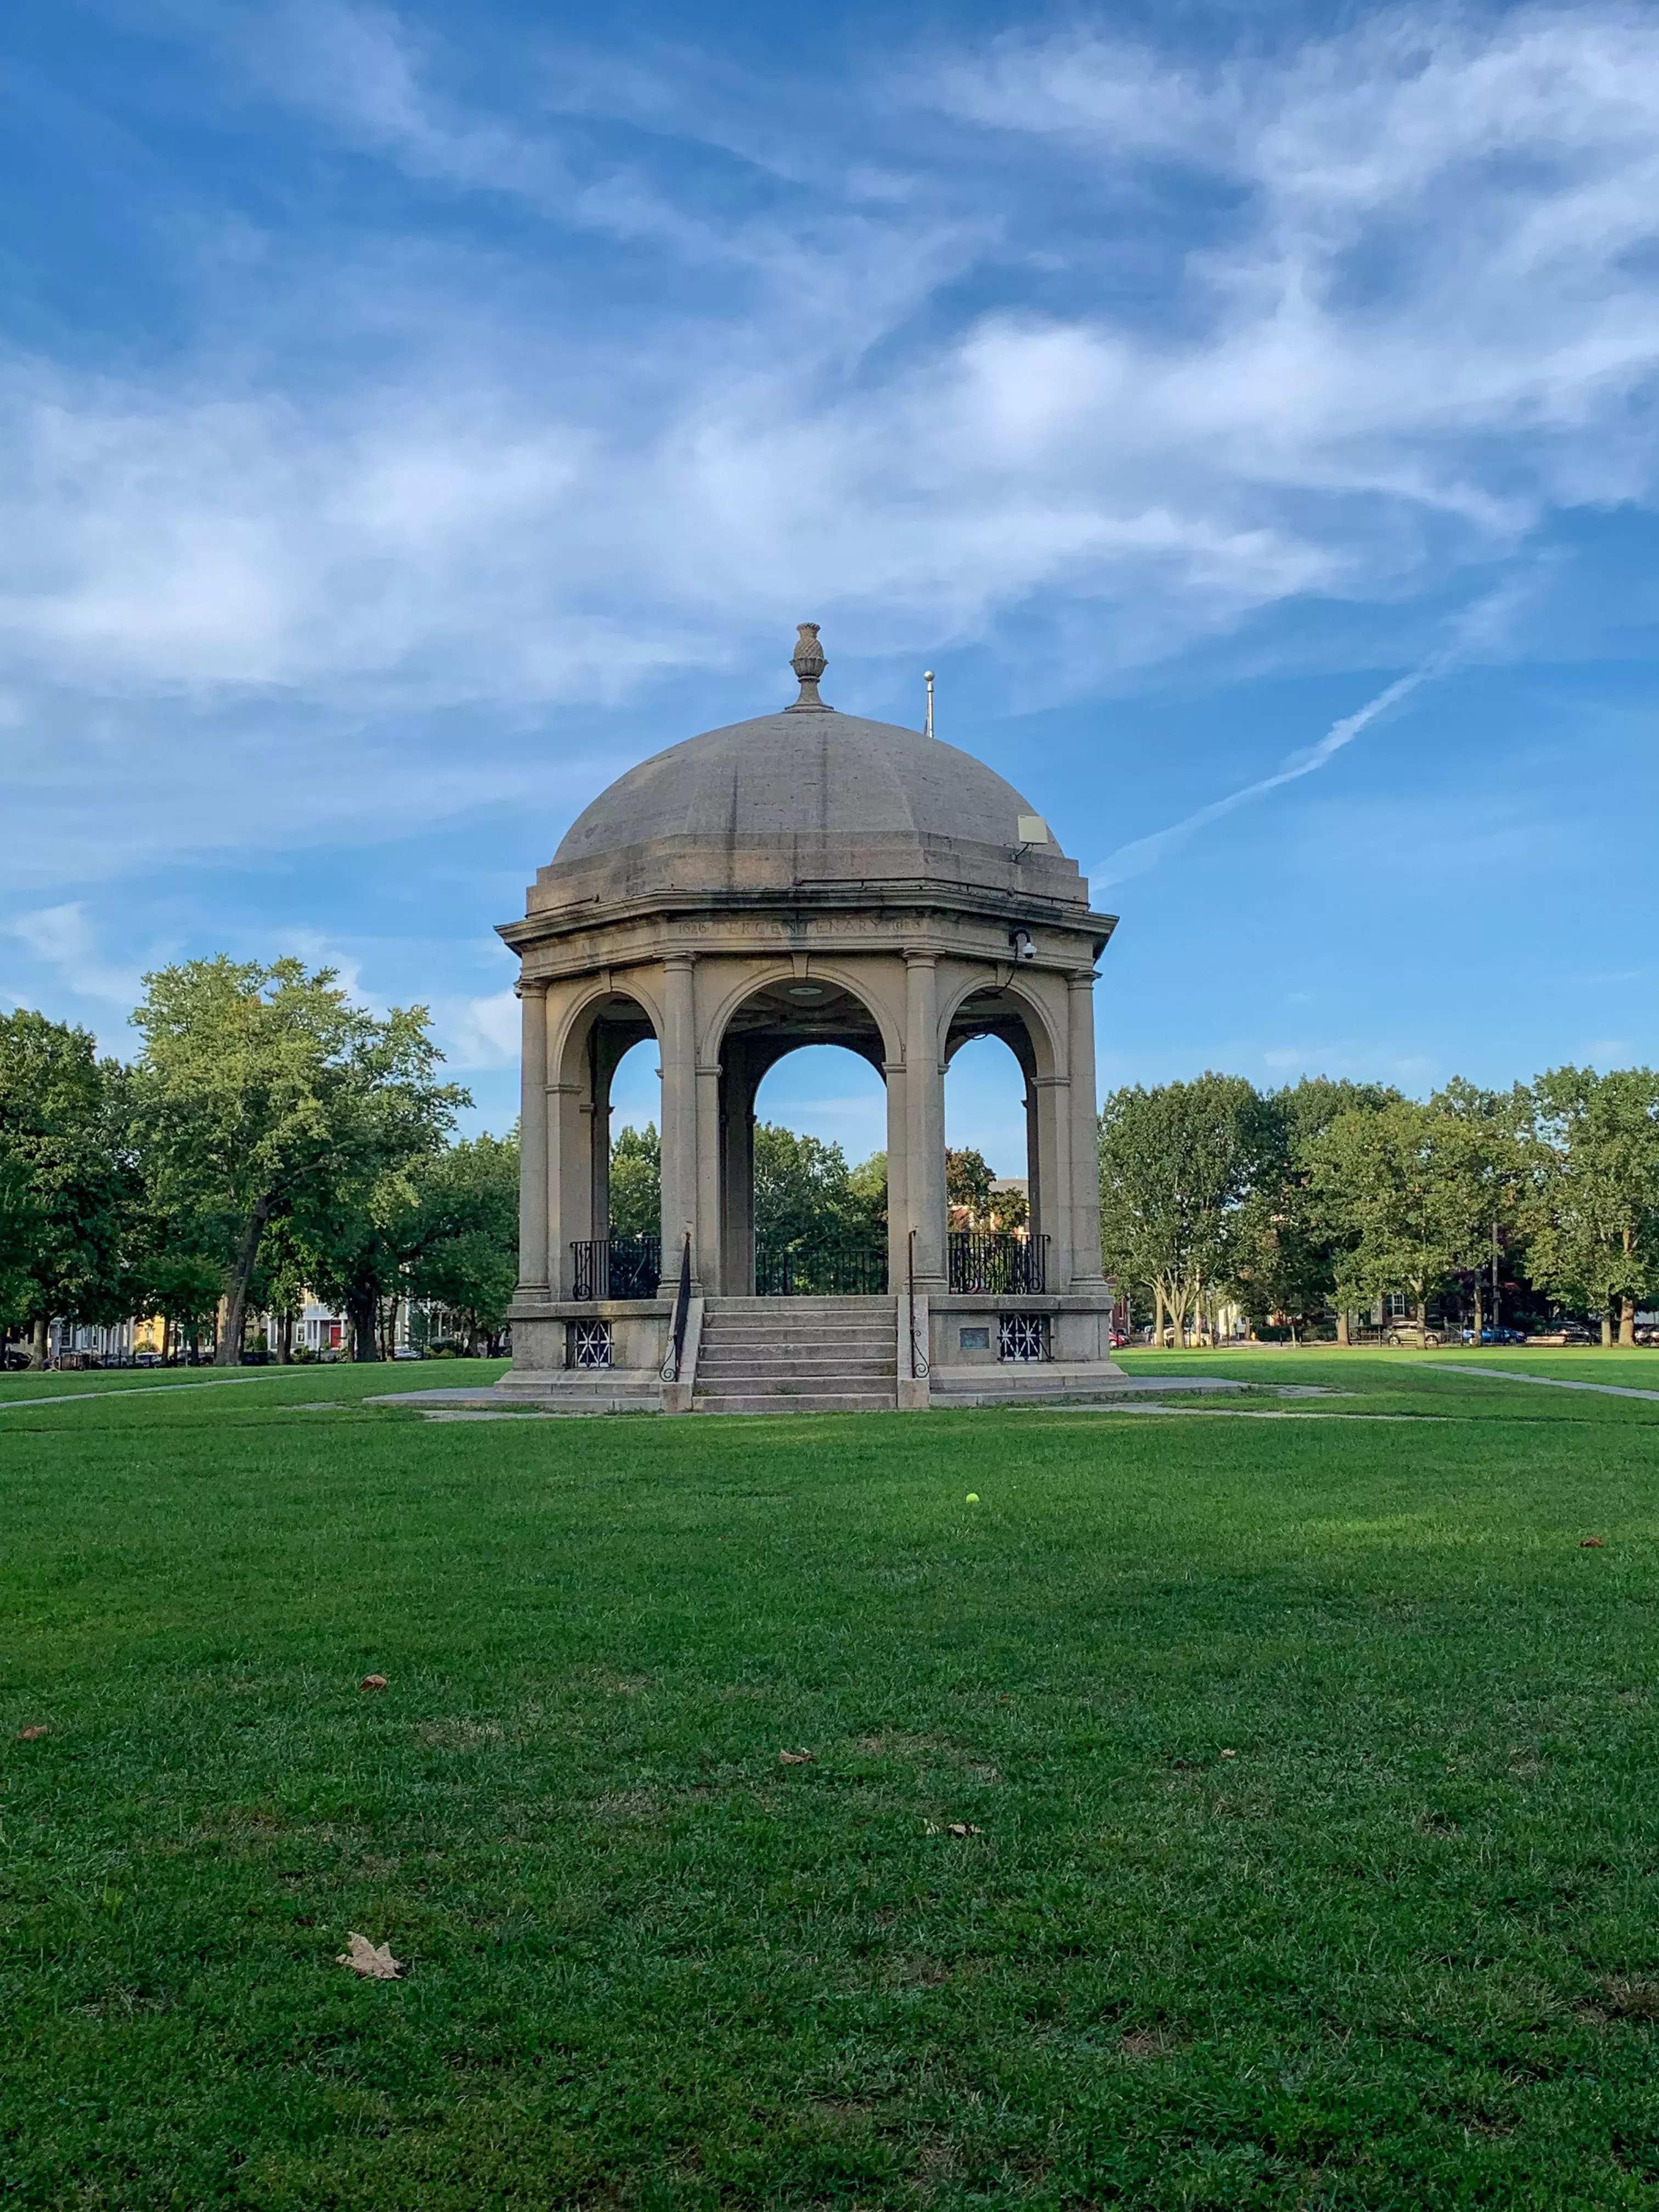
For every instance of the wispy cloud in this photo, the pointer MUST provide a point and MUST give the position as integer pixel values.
(1420, 329)
(63, 937)
(1142, 853)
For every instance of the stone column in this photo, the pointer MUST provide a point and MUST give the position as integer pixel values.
(568, 1182)
(679, 1111)
(532, 1139)
(1085, 1131)
(1054, 1117)
(924, 1100)
(898, 1187)
(1033, 1153)
(706, 1273)
(738, 1089)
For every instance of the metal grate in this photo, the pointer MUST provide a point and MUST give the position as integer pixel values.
(1022, 1337)
(998, 1265)
(590, 1344)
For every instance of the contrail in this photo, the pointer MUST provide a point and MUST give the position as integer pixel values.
(1135, 858)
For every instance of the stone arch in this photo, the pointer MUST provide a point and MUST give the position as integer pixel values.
(577, 1016)
(1048, 1050)
(733, 1061)
(718, 1018)
(603, 1020)
(1044, 1062)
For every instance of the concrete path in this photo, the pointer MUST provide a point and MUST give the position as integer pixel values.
(1548, 1381)
(142, 1389)
(1131, 1385)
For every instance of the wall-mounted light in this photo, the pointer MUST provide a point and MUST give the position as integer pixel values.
(1021, 941)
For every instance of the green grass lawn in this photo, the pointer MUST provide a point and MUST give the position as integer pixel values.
(1310, 1768)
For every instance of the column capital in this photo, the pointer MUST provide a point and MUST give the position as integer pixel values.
(920, 959)
(531, 986)
(679, 962)
(1083, 979)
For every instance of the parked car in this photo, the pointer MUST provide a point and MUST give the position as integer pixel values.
(1415, 1335)
(1563, 1332)
(1496, 1336)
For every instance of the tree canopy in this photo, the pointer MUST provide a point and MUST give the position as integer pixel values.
(263, 1092)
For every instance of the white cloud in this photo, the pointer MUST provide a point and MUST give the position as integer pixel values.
(406, 473)
(481, 1032)
(62, 938)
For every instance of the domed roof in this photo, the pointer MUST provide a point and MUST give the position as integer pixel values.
(808, 772)
(813, 774)
(807, 797)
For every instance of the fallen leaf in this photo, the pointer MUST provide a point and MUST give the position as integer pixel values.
(363, 1958)
(373, 1682)
(796, 1758)
(1230, 1754)
(962, 1828)
(1592, 1543)
(30, 1734)
(930, 1827)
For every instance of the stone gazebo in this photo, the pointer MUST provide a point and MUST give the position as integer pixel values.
(806, 877)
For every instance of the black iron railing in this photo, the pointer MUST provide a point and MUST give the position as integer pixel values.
(674, 1358)
(998, 1265)
(615, 1266)
(820, 1267)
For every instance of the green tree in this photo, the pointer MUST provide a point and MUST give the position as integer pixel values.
(636, 1182)
(466, 1239)
(1476, 1153)
(1285, 1243)
(264, 1092)
(968, 1181)
(1177, 1163)
(1409, 1187)
(1593, 1200)
(867, 1186)
(803, 1187)
(63, 1140)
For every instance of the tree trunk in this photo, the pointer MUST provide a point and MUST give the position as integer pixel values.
(1479, 1317)
(38, 1341)
(1342, 1327)
(1157, 1327)
(1607, 1328)
(363, 1311)
(1628, 1320)
(228, 1351)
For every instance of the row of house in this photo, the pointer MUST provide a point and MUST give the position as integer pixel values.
(319, 1333)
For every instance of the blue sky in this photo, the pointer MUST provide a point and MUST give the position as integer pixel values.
(409, 416)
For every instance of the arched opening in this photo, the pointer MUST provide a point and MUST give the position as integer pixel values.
(819, 1165)
(634, 1210)
(610, 1052)
(798, 1215)
(997, 1226)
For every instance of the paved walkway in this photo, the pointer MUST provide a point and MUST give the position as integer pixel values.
(142, 1389)
(1548, 1381)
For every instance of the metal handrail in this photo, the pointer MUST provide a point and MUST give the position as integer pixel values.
(918, 1356)
(676, 1353)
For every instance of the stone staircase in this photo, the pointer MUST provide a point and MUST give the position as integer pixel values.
(798, 1356)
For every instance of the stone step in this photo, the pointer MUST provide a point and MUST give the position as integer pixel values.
(878, 1301)
(808, 1401)
(810, 1355)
